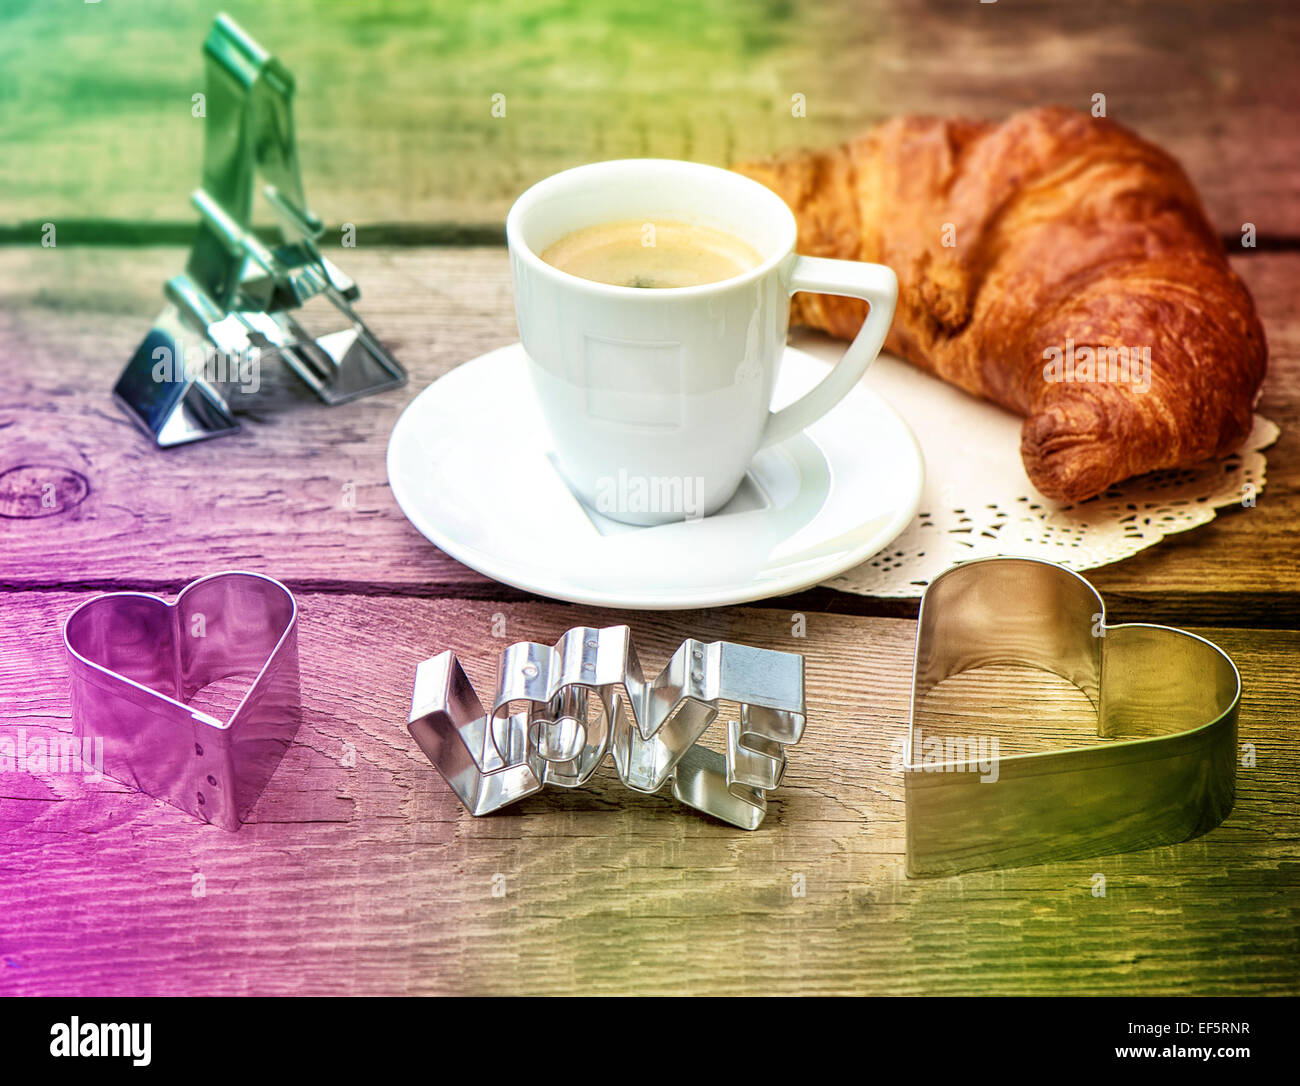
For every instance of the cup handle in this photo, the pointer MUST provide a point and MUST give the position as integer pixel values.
(876, 285)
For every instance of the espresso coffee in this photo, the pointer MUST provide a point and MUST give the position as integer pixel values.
(641, 253)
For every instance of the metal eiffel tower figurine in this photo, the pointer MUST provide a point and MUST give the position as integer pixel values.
(234, 306)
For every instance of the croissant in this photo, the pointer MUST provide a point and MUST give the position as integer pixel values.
(1055, 264)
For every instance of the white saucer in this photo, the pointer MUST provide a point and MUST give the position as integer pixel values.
(469, 464)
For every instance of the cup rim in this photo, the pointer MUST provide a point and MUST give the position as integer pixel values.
(529, 197)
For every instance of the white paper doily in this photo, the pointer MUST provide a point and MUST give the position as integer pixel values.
(979, 502)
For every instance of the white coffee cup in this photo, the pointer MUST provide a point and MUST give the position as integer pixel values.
(657, 400)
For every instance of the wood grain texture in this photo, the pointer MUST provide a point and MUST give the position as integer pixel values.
(273, 496)
(395, 117)
(372, 879)
(360, 872)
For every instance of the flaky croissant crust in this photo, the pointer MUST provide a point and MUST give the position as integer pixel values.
(1051, 233)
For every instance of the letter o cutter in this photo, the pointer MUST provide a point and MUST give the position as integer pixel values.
(1168, 699)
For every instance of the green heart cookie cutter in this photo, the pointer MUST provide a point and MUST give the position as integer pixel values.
(1166, 698)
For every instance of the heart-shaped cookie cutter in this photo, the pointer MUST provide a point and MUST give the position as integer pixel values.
(560, 711)
(136, 661)
(1173, 695)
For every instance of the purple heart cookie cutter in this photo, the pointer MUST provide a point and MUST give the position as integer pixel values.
(137, 660)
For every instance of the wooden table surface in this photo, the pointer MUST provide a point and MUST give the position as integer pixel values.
(360, 872)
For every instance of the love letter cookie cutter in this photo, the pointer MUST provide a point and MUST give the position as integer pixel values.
(136, 660)
(558, 712)
(1172, 695)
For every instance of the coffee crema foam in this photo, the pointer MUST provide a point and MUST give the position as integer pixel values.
(655, 255)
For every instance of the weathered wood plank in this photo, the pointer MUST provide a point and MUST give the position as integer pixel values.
(372, 879)
(274, 496)
(395, 106)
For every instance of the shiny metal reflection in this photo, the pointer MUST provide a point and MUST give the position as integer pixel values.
(234, 306)
(560, 711)
(1168, 697)
(136, 661)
